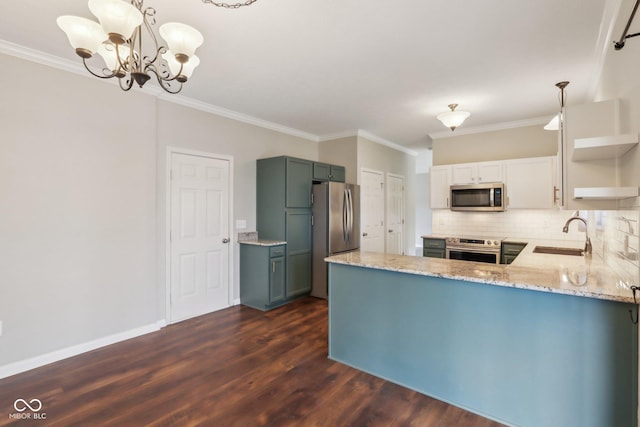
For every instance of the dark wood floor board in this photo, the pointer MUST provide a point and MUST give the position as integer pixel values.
(236, 367)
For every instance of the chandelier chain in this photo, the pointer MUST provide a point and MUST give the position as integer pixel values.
(230, 5)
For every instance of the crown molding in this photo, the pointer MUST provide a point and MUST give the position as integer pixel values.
(490, 128)
(234, 115)
(75, 67)
(368, 135)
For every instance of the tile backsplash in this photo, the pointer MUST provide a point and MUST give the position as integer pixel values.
(615, 235)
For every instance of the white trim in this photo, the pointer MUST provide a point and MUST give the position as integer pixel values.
(177, 150)
(368, 135)
(234, 115)
(45, 359)
(150, 88)
(402, 207)
(489, 128)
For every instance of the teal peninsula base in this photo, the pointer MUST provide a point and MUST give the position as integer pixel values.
(518, 356)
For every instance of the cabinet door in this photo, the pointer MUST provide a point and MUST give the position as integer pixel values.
(321, 171)
(299, 181)
(440, 182)
(337, 173)
(490, 172)
(530, 183)
(465, 173)
(277, 277)
(298, 252)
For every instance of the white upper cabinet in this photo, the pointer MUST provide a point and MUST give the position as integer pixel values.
(531, 183)
(477, 173)
(440, 182)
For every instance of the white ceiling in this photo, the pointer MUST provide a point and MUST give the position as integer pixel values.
(329, 67)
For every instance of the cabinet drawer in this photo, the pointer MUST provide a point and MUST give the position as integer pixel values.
(433, 243)
(276, 251)
(433, 253)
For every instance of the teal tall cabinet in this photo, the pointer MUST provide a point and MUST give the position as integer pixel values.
(284, 213)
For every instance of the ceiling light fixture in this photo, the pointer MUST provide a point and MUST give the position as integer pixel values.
(452, 119)
(118, 39)
(230, 5)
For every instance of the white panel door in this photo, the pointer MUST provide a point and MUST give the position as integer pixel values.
(372, 211)
(199, 235)
(395, 214)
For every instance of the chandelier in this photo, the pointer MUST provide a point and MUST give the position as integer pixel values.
(118, 39)
(452, 119)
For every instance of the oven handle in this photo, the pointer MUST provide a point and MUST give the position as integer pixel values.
(474, 250)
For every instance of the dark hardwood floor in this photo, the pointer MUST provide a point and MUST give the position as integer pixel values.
(235, 367)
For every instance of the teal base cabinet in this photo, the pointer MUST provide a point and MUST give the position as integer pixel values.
(521, 357)
(509, 251)
(283, 213)
(262, 276)
(434, 247)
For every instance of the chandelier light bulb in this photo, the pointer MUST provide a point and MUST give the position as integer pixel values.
(187, 67)
(118, 18)
(108, 53)
(452, 119)
(86, 36)
(182, 39)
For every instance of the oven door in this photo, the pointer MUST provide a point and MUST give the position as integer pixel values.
(466, 254)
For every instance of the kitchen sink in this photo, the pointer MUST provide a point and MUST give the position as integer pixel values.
(558, 251)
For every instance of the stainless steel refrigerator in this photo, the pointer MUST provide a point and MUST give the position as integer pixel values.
(336, 227)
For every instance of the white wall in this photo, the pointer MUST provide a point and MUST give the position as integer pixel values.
(77, 211)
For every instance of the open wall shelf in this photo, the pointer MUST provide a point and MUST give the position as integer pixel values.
(603, 147)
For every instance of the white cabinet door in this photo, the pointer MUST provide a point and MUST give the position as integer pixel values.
(465, 173)
(440, 182)
(490, 172)
(530, 183)
(477, 173)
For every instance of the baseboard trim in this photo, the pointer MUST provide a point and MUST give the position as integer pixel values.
(38, 361)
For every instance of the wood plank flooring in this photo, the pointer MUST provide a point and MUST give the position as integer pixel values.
(235, 367)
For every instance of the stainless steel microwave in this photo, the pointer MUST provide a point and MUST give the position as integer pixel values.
(487, 197)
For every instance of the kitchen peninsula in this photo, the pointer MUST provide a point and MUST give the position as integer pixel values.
(522, 344)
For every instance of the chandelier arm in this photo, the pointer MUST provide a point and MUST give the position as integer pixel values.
(150, 13)
(165, 83)
(129, 83)
(164, 75)
(230, 5)
(105, 76)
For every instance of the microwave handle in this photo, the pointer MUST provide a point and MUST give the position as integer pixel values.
(491, 198)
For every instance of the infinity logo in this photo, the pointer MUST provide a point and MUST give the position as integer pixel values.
(21, 405)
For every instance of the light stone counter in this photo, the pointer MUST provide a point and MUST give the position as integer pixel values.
(586, 276)
(262, 242)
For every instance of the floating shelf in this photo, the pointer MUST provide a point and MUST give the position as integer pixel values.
(605, 193)
(603, 147)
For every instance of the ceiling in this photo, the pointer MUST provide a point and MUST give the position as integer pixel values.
(326, 68)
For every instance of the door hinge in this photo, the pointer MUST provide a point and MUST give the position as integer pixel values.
(312, 199)
(403, 221)
(170, 236)
(171, 174)
(312, 220)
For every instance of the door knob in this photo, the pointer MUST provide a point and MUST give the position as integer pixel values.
(365, 234)
(225, 240)
(390, 231)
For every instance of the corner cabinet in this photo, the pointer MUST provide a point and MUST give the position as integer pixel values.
(283, 203)
(262, 276)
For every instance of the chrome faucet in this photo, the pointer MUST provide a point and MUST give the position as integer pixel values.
(565, 229)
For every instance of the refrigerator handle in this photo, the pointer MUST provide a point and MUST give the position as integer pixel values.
(350, 214)
(345, 220)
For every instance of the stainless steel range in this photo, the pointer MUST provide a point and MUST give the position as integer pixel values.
(479, 250)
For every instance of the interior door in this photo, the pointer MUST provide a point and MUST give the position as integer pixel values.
(372, 210)
(199, 237)
(395, 214)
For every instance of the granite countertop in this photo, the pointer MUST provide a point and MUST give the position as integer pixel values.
(586, 276)
(262, 242)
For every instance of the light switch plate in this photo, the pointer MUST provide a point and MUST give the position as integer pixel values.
(241, 224)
